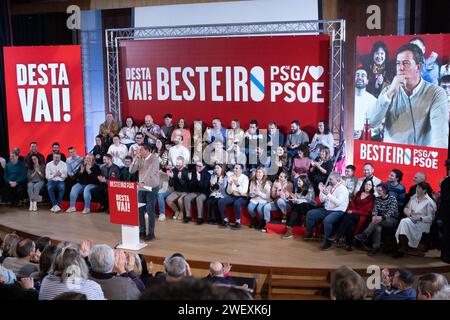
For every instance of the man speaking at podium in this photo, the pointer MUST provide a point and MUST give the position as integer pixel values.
(147, 163)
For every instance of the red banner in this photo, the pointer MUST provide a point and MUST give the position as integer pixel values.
(44, 97)
(279, 78)
(123, 203)
(404, 126)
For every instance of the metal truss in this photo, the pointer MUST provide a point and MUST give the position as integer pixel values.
(334, 28)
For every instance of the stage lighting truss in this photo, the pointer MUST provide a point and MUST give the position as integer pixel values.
(334, 28)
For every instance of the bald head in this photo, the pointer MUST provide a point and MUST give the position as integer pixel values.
(419, 177)
(216, 269)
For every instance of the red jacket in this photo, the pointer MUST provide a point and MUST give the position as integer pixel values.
(362, 207)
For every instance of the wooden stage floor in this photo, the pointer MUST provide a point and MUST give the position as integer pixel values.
(245, 247)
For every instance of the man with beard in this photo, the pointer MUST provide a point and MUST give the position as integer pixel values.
(364, 101)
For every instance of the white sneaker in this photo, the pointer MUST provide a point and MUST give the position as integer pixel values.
(35, 206)
(86, 211)
(174, 216)
(162, 217)
(53, 209)
(71, 209)
(57, 209)
(31, 206)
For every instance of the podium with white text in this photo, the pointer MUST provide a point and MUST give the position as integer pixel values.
(124, 210)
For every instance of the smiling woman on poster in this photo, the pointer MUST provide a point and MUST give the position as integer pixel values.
(415, 111)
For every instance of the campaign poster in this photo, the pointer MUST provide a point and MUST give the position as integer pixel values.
(123, 202)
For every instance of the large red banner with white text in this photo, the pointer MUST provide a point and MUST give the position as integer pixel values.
(280, 78)
(405, 128)
(44, 97)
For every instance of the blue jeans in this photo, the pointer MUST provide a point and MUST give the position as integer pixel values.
(259, 208)
(56, 186)
(238, 203)
(149, 198)
(77, 189)
(329, 219)
(280, 204)
(162, 201)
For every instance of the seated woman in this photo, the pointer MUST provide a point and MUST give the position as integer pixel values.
(218, 185)
(300, 164)
(128, 132)
(259, 193)
(303, 201)
(322, 138)
(99, 150)
(360, 207)
(86, 181)
(281, 193)
(320, 169)
(276, 162)
(182, 129)
(118, 151)
(420, 212)
(36, 180)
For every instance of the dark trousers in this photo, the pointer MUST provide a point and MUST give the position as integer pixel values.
(347, 227)
(14, 194)
(100, 194)
(299, 210)
(238, 203)
(149, 198)
(212, 209)
(445, 245)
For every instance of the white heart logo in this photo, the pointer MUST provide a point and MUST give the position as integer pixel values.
(434, 154)
(316, 72)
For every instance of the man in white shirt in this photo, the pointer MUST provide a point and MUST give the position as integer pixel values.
(56, 173)
(237, 191)
(364, 101)
(335, 197)
(179, 150)
(368, 175)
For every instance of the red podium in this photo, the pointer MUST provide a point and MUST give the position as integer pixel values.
(123, 208)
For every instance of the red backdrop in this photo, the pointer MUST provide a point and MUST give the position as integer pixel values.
(44, 97)
(408, 158)
(304, 60)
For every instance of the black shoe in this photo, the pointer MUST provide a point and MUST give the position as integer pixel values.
(348, 248)
(237, 225)
(398, 254)
(187, 219)
(149, 238)
(210, 222)
(141, 235)
(374, 252)
(326, 245)
(200, 221)
(253, 223)
(223, 224)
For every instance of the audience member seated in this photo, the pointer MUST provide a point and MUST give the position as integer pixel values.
(35, 180)
(320, 169)
(109, 129)
(216, 133)
(179, 150)
(73, 163)
(218, 273)
(46, 259)
(42, 243)
(7, 276)
(276, 163)
(164, 191)
(280, 194)
(274, 134)
(346, 284)
(182, 130)
(69, 272)
(303, 200)
(34, 152)
(55, 150)
(198, 186)
(236, 156)
(86, 180)
(360, 207)
(384, 215)
(127, 132)
(176, 268)
(9, 245)
(166, 130)
(259, 194)
(111, 270)
(235, 133)
(418, 178)
(368, 175)
(322, 138)
(99, 150)
(335, 199)
(150, 131)
(420, 212)
(178, 179)
(395, 188)
(295, 139)
(429, 284)
(398, 287)
(300, 163)
(107, 172)
(253, 139)
(15, 180)
(22, 265)
(133, 151)
(237, 191)
(350, 181)
(19, 291)
(125, 174)
(118, 151)
(218, 185)
(443, 294)
(56, 173)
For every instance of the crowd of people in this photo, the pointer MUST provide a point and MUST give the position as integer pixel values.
(256, 169)
(42, 270)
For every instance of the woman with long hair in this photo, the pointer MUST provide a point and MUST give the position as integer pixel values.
(320, 169)
(128, 132)
(259, 193)
(182, 129)
(378, 70)
(218, 185)
(36, 180)
(99, 149)
(322, 138)
(280, 193)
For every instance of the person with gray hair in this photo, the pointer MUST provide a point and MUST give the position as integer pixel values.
(111, 271)
(443, 294)
(335, 197)
(429, 285)
(176, 268)
(346, 284)
(69, 272)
